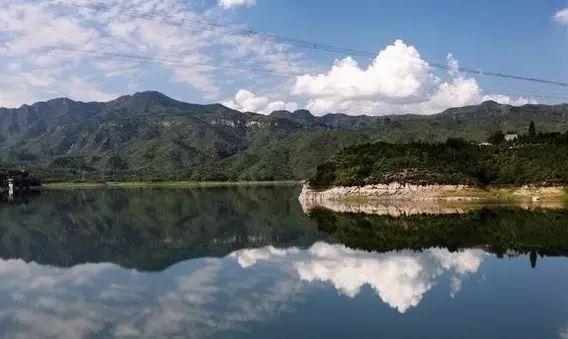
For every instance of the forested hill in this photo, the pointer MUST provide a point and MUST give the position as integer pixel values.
(541, 160)
(150, 136)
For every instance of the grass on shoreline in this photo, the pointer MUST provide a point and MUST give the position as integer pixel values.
(507, 193)
(164, 184)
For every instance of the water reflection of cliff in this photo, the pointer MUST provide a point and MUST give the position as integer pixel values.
(150, 229)
(402, 207)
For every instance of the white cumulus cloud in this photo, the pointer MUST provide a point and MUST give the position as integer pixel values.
(397, 73)
(397, 81)
(247, 101)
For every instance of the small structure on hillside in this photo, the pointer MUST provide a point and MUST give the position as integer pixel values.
(13, 181)
(485, 144)
(510, 137)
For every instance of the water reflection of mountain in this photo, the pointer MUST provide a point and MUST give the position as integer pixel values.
(150, 229)
(501, 231)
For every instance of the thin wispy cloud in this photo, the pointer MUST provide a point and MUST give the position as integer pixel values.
(63, 39)
(202, 49)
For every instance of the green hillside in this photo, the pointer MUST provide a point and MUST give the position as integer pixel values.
(539, 160)
(149, 136)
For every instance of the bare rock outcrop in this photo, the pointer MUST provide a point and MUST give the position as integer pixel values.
(405, 199)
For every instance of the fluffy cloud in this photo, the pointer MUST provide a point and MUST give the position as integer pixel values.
(397, 73)
(562, 16)
(235, 3)
(247, 101)
(397, 81)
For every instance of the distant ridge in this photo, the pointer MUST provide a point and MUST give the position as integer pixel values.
(150, 136)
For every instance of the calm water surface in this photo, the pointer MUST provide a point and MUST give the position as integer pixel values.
(247, 262)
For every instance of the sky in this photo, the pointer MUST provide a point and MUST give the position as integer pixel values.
(266, 55)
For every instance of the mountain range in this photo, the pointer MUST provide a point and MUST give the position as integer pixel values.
(149, 136)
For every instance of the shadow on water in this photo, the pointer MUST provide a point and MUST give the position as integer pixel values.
(150, 229)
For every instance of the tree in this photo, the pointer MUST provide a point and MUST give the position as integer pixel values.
(117, 163)
(533, 258)
(497, 138)
(532, 131)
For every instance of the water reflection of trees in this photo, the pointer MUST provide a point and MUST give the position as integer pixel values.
(150, 229)
(503, 231)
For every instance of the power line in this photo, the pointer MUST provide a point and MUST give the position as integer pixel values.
(182, 64)
(281, 39)
(169, 63)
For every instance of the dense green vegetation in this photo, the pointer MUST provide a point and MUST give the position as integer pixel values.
(539, 159)
(150, 137)
(22, 179)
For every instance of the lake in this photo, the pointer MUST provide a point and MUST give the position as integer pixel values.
(248, 262)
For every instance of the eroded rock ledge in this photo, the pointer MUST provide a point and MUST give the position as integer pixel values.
(405, 199)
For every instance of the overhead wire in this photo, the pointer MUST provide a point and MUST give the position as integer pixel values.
(281, 39)
(199, 24)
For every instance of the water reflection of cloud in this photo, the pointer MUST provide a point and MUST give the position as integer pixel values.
(563, 333)
(201, 297)
(399, 278)
(193, 299)
(249, 257)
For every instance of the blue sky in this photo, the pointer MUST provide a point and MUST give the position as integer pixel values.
(66, 48)
(511, 36)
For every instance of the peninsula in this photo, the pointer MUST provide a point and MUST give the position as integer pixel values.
(448, 177)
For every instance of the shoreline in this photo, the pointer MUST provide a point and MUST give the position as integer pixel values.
(404, 199)
(165, 184)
